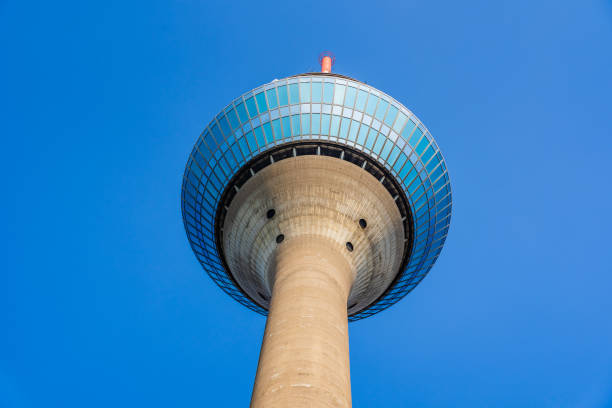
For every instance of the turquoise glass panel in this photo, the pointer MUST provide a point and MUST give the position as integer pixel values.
(304, 92)
(242, 113)
(271, 94)
(316, 123)
(353, 131)
(325, 119)
(268, 132)
(339, 94)
(371, 106)
(381, 110)
(316, 92)
(295, 125)
(390, 118)
(210, 142)
(349, 101)
(344, 127)
(261, 102)
(294, 94)
(436, 173)
(250, 103)
(335, 126)
(283, 97)
(305, 123)
(233, 118)
(328, 92)
(259, 136)
(411, 176)
(286, 126)
(379, 144)
(362, 96)
(276, 126)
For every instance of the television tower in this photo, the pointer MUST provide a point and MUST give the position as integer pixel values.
(315, 200)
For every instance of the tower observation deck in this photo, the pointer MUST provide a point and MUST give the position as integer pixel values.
(315, 200)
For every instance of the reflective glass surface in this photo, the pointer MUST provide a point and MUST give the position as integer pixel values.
(327, 108)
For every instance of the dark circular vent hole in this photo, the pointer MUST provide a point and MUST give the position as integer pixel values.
(349, 246)
(280, 238)
(261, 295)
(363, 223)
(270, 213)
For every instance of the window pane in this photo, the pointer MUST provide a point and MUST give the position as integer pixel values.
(316, 92)
(294, 95)
(381, 110)
(328, 92)
(271, 94)
(349, 101)
(339, 94)
(242, 113)
(391, 115)
(305, 92)
(361, 100)
(283, 98)
(250, 103)
(372, 102)
(261, 102)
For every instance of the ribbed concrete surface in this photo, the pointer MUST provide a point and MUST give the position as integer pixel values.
(319, 196)
(304, 360)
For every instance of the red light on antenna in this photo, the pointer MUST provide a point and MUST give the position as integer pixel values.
(326, 59)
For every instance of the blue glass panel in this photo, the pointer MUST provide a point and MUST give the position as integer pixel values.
(325, 119)
(422, 145)
(316, 92)
(276, 126)
(271, 94)
(210, 142)
(399, 123)
(381, 110)
(379, 144)
(363, 134)
(259, 136)
(242, 113)
(361, 100)
(344, 127)
(432, 164)
(305, 123)
(261, 102)
(251, 107)
(251, 140)
(316, 122)
(441, 181)
(283, 97)
(233, 118)
(436, 173)
(400, 162)
(393, 155)
(386, 150)
(371, 138)
(286, 126)
(294, 94)
(371, 107)
(243, 147)
(353, 131)
(427, 155)
(225, 127)
(217, 134)
(335, 125)
(411, 176)
(408, 130)
(268, 132)
(295, 125)
(304, 92)
(391, 115)
(415, 137)
(328, 92)
(339, 94)
(349, 100)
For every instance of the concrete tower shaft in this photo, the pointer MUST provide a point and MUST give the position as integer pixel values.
(325, 260)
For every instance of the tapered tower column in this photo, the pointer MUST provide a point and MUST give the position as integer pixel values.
(304, 360)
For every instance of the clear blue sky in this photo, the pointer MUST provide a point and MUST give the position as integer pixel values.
(102, 302)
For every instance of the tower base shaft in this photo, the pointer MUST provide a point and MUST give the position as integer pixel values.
(304, 360)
